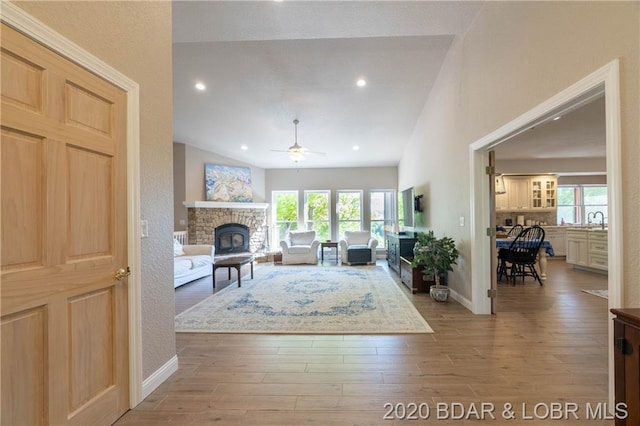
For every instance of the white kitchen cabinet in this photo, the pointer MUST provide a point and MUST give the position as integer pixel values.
(502, 202)
(528, 193)
(577, 247)
(557, 236)
(588, 248)
(598, 249)
(518, 192)
(544, 192)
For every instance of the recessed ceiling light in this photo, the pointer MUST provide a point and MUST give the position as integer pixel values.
(557, 118)
(244, 147)
(361, 82)
(356, 147)
(200, 86)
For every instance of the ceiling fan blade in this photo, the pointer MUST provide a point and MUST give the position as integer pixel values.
(296, 150)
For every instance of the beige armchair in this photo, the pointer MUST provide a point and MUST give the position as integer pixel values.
(358, 247)
(300, 247)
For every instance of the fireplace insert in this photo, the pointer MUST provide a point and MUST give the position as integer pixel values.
(232, 238)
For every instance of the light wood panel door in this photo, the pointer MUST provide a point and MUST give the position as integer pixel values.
(64, 330)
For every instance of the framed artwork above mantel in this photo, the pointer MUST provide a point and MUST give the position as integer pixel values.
(227, 183)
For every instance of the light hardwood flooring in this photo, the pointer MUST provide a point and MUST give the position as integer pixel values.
(547, 344)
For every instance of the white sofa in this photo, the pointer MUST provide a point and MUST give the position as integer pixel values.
(300, 247)
(191, 262)
(358, 240)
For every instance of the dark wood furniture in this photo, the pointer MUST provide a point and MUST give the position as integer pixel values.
(626, 339)
(233, 262)
(399, 245)
(412, 277)
(328, 244)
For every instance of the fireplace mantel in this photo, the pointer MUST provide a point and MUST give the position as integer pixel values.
(223, 205)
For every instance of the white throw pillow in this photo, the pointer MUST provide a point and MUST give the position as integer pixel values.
(177, 248)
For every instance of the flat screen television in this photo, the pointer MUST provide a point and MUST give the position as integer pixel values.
(407, 207)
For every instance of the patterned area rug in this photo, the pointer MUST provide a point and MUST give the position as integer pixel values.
(307, 300)
(600, 293)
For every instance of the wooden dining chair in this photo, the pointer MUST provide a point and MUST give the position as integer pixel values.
(515, 231)
(503, 268)
(523, 253)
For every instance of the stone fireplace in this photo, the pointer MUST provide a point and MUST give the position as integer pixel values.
(232, 238)
(204, 217)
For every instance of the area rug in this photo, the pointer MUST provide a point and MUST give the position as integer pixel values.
(600, 293)
(307, 300)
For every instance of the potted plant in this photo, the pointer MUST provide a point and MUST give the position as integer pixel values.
(436, 256)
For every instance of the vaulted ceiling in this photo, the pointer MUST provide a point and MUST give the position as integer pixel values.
(267, 63)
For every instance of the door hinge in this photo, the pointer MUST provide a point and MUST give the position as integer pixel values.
(492, 293)
(491, 232)
(490, 170)
(623, 346)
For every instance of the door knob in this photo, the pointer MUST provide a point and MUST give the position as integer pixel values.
(121, 273)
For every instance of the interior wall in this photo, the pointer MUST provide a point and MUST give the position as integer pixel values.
(515, 56)
(552, 165)
(135, 38)
(583, 180)
(196, 158)
(179, 188)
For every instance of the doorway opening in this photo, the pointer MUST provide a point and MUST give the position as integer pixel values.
(604, 81)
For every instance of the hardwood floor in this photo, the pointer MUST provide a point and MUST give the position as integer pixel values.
(546, 345)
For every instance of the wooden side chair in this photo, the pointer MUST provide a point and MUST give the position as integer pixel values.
(523, 254)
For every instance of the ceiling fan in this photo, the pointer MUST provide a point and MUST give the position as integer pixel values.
(295, 151)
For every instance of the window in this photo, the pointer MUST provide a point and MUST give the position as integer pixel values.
(349, 210)
(285, 213)
(400, 211)
(578, 203)
(316, 213)
(568, 204)
(383, 214)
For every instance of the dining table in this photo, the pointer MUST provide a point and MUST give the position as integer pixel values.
(546, 249)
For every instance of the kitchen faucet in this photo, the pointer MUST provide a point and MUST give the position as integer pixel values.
(589, 217)
(601, 216)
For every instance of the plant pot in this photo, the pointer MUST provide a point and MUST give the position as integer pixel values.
(439, 294)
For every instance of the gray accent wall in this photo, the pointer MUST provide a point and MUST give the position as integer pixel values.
(196, 158)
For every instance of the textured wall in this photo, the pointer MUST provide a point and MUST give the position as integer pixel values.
(515, 56)
(135, 38)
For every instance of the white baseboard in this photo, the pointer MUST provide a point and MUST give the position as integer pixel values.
(461, 300)
(152, 382)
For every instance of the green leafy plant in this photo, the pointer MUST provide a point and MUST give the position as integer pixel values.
(435, 255)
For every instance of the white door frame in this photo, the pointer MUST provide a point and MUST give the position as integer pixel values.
(35, 29)
(605, 80)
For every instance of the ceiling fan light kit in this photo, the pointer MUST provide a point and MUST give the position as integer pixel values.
(295, 151)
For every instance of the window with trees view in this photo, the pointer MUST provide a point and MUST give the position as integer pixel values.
(576, 202)
(285, 213)
(400, 210)
(317, 213)
(349, 209)
(383, 214)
